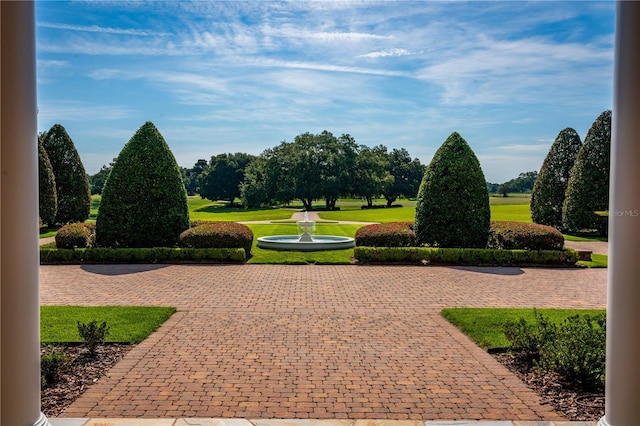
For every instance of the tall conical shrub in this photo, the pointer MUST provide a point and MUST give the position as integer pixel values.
(72, 182)
(453, 203)
(551, 184)
(144, 202)
(587, 198)
(48, 199)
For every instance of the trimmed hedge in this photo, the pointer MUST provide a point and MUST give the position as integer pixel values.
(218, 235)
(140, 255)
(464, 256)
(391, 234)
(524, 236)
(76, 235)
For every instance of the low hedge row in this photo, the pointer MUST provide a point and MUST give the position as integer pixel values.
(391, 234)
(76, 235)
(141, 255)
(464, 256)
(524, 236)
(217, 235)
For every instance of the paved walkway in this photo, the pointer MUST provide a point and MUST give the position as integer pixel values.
(323, 342)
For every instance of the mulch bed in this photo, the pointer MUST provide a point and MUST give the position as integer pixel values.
(568, 399)
(82, 371)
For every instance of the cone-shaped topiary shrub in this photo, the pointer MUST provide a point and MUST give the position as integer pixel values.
(144, 202)
(550, 187)
(587, 197)
(48, 198)
(72, 182)
(453, 203)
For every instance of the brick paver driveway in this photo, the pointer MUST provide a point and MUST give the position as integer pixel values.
(279, 341)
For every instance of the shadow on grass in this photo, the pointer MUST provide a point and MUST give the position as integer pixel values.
(120, 269)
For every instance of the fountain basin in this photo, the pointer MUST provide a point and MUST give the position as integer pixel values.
(296, 243)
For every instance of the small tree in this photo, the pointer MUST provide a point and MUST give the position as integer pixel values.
(550, 186)
(47, 188)
(72, 182)
(144, 202)
(587, 197)
(221, 179)
(453, 202)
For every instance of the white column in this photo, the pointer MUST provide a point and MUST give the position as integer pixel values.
(19, 261)
(622, 406)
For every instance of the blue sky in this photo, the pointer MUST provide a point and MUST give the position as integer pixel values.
(236, 76)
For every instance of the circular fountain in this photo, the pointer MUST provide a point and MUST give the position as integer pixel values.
(305, 241)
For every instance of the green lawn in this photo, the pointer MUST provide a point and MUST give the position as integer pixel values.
(485, 325)
(511, 212)
(597, 261)
(127, 324)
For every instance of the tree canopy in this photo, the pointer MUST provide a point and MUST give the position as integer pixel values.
(221, 178)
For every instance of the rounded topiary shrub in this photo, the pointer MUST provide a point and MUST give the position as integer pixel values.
(453, 202)
(524, 236)
(218, 235)
(144, 201)
(392, 234)
(75, 235)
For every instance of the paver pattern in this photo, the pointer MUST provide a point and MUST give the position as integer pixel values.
(324, 342)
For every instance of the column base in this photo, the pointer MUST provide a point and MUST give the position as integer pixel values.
(42, 421)
(603, 422)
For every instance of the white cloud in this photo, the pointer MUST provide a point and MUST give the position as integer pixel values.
(387, 53)
(99, 29)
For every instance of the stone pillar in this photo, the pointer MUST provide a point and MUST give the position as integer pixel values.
(622, 406)
(19, 258)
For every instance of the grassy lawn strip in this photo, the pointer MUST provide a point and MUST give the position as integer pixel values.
(485, 325)
(127, 324)
(597, 261)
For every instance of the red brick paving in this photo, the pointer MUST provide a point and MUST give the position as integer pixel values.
(276, 341)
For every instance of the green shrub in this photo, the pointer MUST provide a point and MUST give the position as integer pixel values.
(574, 349)
(588, 187)
(144, 201)
(391, 234)
(550, 186)
(453, 203)
(524, 236)
(52, 364)
(93, 334)
(72, 182)
(218, 235)
(461, 256)
(47, 195)
(105, 255)
(75, 235)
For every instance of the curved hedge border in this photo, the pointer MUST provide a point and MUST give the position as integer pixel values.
(50, 256)
(464, 256)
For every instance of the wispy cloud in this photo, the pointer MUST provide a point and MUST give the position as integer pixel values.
(99, 29)
(387, 53)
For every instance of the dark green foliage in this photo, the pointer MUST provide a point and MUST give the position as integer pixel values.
(191, 175)
(575, 349)
(221, 179)
(453, 202)
(550, 187)
(72, 182)
(588, 188)
(391, 234)
(75, 235)
(48, 197)
(52, 256)
(407, 174)
(524, 236)
(98, 180)
(144, 202)
(218, 235)
(93, 334)
(52, 364)
(462, 256)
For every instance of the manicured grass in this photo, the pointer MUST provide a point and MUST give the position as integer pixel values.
(597, 261)
(511, 199)
(298, 257)
(203, 209)
(95, 204)
(127, 324)
(395, 214)
(46, 232)
(576, 238)
(485, 325)
(511, 212)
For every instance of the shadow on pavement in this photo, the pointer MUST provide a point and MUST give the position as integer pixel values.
(493, 270)
(120, 269)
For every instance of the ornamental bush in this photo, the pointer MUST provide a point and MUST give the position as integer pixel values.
(47, 194)
(392, 234)
(524, 236)
(144, 201)
(72, 182)
(75, 235)
(547, 196)
(218, 235)
(453, 203)
(587, 197)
